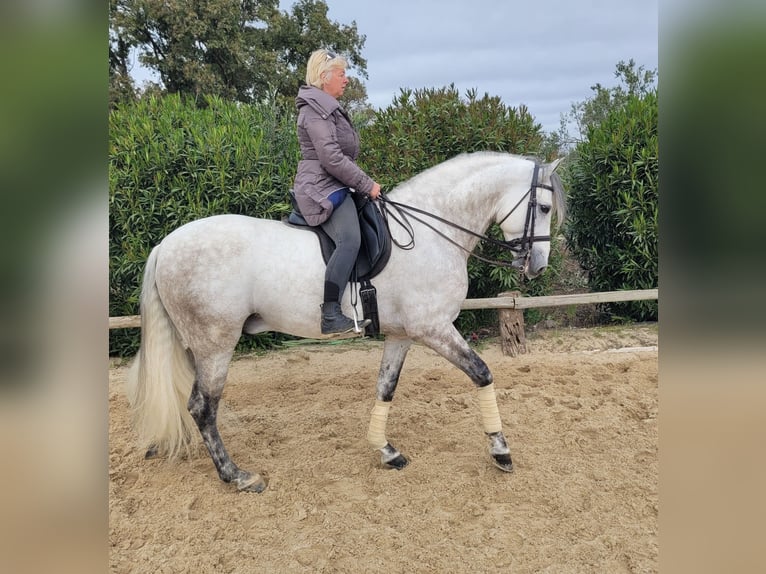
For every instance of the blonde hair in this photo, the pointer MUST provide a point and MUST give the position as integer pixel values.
(320, 63)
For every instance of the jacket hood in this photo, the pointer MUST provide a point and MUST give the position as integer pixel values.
(321, 101)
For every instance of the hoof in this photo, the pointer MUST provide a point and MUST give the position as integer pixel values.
(250, 483)
(503, 462)
(392, 458)
(151, 452)
(397, 463)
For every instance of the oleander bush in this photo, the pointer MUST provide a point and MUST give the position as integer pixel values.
(172, 161)
(613, 205)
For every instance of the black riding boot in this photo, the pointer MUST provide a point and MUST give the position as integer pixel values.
(333, 321)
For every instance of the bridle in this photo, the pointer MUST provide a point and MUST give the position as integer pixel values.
(521, 246)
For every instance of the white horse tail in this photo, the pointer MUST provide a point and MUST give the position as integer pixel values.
(161, 378)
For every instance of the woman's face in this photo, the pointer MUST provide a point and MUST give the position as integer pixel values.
(336, 82)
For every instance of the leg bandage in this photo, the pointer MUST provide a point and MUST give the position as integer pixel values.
(490, 415)
(376, 435)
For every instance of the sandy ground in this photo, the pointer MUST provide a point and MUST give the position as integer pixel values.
(579, 415)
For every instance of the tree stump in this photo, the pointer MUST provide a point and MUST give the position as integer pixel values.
(513, 341)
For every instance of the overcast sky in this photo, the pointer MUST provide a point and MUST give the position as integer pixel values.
(542, 53)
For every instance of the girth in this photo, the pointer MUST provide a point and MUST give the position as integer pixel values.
(375, 248)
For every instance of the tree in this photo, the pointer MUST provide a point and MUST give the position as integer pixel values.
(121, 85)
(591, 112)
(293, 36)
(354, 100)
(242, 50)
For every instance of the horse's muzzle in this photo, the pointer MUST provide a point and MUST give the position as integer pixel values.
(523, 264)
(532, 273)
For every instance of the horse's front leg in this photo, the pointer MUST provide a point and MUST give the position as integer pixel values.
(394, 353)
(450, 345)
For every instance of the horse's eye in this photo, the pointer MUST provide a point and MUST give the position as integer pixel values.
(545, 208)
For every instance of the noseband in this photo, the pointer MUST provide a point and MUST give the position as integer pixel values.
(521, 247)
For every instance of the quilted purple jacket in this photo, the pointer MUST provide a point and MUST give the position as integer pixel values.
(329, 148)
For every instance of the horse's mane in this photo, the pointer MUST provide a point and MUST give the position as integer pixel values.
(459, 159)
(559, 199)
(558, 195)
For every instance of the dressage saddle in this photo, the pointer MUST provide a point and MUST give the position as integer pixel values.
(375, 249)
(374, 252)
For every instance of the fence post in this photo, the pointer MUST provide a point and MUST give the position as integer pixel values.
(513, 341)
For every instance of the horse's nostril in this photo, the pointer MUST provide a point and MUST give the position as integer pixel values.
(532, 273)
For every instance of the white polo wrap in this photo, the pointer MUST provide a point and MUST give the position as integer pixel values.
(490, 415)
(376, 435)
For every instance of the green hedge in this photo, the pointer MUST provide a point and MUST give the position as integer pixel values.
(613, 205)
(172, 161)
(422, 128)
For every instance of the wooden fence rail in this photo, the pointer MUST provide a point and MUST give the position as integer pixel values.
(507, 302)
(503, 302)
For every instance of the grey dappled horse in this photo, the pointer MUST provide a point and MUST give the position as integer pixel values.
(212, 279)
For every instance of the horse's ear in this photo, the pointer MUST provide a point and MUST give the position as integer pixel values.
(554, 164)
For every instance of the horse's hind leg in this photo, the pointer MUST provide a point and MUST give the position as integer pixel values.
(394, 353)
(450, 345)
(203, 406)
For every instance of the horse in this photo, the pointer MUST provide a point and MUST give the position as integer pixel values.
(212, 279)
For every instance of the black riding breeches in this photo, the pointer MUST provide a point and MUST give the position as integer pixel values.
(343, 229)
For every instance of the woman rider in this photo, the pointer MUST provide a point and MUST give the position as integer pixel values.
(327, 173)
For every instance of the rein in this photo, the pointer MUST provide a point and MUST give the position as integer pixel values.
(520, 246)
